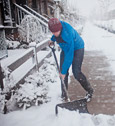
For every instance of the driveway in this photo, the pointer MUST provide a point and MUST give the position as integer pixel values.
(97, 70)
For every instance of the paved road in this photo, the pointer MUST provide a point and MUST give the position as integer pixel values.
(97, 70)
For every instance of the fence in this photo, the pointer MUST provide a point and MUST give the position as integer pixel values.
(31, 57)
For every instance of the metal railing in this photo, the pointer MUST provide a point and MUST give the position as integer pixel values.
(21, 12)
(36, 14)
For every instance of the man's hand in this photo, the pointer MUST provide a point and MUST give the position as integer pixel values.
(62, 76)
(50, 43)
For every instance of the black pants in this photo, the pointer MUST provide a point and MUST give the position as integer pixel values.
(76, 69)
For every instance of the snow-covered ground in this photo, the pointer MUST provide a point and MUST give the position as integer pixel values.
(44, 115)
(99, 39)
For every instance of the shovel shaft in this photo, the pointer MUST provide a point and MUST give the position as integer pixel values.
(53, 50)
(62, 81)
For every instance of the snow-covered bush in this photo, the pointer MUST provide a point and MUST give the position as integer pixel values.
(12, 44)
(5, 94)
(34, 90)
(107, 25)
(47, 69)
(30, 30)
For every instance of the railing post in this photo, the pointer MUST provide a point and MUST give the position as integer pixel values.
(3, 47)
(35, 59)
(21, 15)
(47, 29)
(18, 16)
(1, 78)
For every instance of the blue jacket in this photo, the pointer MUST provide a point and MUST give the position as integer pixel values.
(73, 42)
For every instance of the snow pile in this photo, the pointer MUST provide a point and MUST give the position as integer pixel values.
(33, 92)
(107, 25)
(12, 44)
(76, 119)
(35, 89)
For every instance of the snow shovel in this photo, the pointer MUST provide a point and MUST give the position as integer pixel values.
(76, 105)
(64, 91)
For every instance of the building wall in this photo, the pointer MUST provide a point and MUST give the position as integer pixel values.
(1, 14)
(21, 2)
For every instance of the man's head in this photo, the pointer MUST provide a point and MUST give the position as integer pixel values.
(55, 26)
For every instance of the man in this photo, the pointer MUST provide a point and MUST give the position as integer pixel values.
(72, 52)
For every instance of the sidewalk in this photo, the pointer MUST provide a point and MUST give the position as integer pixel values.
(97, 71)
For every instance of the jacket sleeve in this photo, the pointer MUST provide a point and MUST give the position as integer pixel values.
(69, 52)
(53, 38)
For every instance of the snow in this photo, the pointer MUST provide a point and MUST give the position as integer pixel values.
(95, 39)
(108, 24)
(112, 7)
(12, 44)
(13, 77)
(99, 39)
(12, 56)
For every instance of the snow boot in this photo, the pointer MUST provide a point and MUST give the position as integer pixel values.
(87, 86)
(89, 95)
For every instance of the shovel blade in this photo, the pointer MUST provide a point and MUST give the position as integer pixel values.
(77, 105)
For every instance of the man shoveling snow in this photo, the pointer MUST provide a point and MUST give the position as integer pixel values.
(72, 52)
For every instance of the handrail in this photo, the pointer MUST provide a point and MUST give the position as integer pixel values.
(25, 56)
(27, 12)
(37, 14)
(29, 55)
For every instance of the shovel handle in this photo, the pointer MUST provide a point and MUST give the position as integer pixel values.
(62, 81)
(53, 51)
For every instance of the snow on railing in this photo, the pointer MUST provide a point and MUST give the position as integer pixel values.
(12, 76)
(22, 12)
(25, 63)
(37, 14)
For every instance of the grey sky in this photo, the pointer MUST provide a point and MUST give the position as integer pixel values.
(84, 6)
